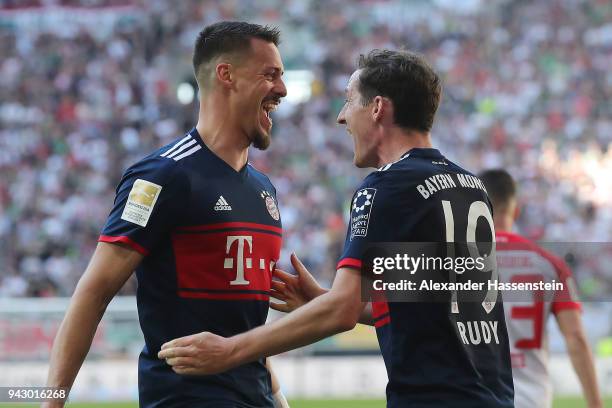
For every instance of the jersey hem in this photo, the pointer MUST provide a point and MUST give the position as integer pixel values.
(124, 240)
(349, 262)
(561, 306)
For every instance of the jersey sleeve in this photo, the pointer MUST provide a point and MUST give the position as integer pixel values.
(567, 298)
(370, 221)
(147, 205)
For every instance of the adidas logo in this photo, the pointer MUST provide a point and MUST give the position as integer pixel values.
(222, 205)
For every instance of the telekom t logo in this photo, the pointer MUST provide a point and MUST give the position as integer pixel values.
(229, 262)
(241, 261)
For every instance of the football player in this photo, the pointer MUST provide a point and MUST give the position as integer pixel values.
(520, 260)
(202, 229)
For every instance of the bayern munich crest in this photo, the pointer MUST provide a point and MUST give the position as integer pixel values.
(271, 205)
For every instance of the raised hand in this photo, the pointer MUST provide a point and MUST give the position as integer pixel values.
(294, 290)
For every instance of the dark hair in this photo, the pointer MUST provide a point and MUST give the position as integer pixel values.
(229, 37)
(405, 78)
(500, 185)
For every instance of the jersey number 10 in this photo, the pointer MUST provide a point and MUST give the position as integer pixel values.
(476, 210)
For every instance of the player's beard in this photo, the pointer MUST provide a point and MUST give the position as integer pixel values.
(261, 140)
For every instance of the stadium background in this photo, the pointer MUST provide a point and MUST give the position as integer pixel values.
(88, 87)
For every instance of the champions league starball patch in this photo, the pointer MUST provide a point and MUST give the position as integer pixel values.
(361, 208)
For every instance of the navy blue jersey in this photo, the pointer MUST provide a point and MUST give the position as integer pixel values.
(211, 236)
(436, 354)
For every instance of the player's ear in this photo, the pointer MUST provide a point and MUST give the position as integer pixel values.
(224, 74)
(380, 106)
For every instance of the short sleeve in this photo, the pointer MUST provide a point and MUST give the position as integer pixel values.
(147, 204)
(369, 222)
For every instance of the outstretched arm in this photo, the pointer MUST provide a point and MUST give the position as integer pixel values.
(110, 266)
(570, 325)
(333, 312)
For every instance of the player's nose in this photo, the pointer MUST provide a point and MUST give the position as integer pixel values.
(341, 119)
(280, 88)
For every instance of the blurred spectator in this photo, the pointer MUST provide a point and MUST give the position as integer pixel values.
(92, 86)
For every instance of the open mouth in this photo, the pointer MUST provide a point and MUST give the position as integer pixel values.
(267, 108)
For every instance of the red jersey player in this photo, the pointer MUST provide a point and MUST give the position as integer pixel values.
(520, 260)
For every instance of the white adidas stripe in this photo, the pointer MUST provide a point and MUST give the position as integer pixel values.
(176, 146)
(181, 149)
(388, 166)
(187, 153)
(222, 201)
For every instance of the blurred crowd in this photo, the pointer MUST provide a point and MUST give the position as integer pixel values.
(89, 87)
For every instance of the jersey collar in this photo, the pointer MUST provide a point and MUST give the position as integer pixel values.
(424, 152)
(415, 152)
(243, 172)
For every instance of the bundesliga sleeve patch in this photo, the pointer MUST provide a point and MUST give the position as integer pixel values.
(140, 202)
(360, 212)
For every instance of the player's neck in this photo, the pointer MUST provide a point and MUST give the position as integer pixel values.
(503, 222)
(228, 144)
(397, 142)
